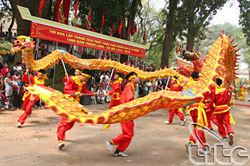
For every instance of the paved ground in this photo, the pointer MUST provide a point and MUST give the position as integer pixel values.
(154, 142)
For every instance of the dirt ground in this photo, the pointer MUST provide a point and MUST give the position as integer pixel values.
(154, 142)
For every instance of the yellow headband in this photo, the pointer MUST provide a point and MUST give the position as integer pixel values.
(86, 75)
(43, 75)
(78, 70)
(130, 78)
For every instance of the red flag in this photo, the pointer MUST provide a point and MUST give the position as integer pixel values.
(120, 28)
(62, 11)
(42, 3)
(76, 7)
(144, 37)
(134, 30)
(112, 30)
(103, 17)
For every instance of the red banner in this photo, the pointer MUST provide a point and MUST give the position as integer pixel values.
(73, 38)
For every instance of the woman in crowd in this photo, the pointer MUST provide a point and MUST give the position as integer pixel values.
(17, 86)
(8, 89)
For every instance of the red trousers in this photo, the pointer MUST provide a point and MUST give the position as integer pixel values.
(211, 117)
(224, 121)
(113, 103)
(198, 134)
(123, 140)
(27, 107)
(177, 112)
(63, 126)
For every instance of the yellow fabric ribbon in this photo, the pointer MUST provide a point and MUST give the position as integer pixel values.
(231, 119)
(106, 126)
(180, 110)
(202, 117)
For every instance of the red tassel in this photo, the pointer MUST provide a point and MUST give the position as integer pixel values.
(223, 31)
(235, 45)
(229, 36)
(232, 40)
(237, 54)
(237, 58)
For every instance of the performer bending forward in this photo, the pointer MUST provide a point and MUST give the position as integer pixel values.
(75, 85)
(30, 99)
(175, 87)
(123, 140)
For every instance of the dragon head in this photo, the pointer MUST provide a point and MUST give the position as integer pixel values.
(23, 42)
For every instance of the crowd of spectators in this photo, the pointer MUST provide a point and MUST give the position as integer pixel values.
(11, 85)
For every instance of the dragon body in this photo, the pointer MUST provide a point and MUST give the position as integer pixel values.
(220, 63)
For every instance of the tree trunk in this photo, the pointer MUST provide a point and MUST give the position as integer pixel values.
(10, 27)
(23, 27)
(168, 41)
(191, 29)
(131, 17)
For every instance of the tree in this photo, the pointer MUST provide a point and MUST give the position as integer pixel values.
(245, 18)
(115, 11)
(169, 33)
(199, 14)
(23, 26)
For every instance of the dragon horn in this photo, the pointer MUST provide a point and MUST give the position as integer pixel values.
(235, 45)
(221, 35)
(237, 50)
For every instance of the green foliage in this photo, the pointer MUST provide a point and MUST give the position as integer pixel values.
(245, 19)
(213, 33)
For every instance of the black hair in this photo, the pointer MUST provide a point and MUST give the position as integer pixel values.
(120, 75)
(42, 71)
(7, 73)
(130, 74)
(18, 63)
(218, 81)
(195, 75)
(86, 71)
(176, 77)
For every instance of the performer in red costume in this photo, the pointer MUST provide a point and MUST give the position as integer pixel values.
(221, 98)
(30, 99)
(115, 91)
(75, 86)
(198, 132)
(209, 111)
(175, 87)
(123, 140)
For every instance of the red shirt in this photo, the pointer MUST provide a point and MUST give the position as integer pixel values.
(5, 70)
(176, 87)
(128, 93)
(74, 85)
(221, 98)
(33, 80)
(116, 90)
